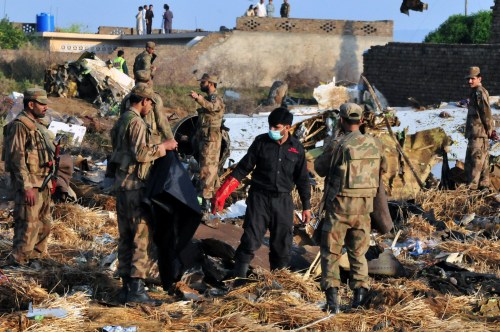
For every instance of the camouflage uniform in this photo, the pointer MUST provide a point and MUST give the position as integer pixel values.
(208, 140)
(350, 186)
(133, 155)
(157, 121)
(478, 128)
(31, 148)
(142, 65)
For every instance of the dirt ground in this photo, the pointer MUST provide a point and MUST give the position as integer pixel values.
(84, 236)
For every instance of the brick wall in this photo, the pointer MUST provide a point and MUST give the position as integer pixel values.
(429, 72)
(332, 27)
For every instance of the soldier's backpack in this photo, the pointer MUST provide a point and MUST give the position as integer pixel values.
(8, 135)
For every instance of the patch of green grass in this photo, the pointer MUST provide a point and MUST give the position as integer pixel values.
(178, 97)
(7, 85)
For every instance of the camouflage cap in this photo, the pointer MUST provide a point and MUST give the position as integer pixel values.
(36, 94)
(351, 111)
(150, 44)
(144, 90)
(209, 78)
(473, 72)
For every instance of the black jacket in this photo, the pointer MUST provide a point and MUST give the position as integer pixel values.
(276, 168)
(172, 201)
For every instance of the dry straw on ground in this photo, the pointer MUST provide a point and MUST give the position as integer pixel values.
(75, 305)
(449, 205)
(271, 302)
(76, 226)
(481, 250)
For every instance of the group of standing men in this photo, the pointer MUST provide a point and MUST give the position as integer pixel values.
(352, 165)
(144, 20)
(263, 10)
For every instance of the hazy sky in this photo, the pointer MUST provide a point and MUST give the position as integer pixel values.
(211, 14)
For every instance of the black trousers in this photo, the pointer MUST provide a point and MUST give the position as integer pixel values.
(273, 211)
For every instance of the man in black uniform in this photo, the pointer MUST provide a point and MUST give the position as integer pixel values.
(278, 163)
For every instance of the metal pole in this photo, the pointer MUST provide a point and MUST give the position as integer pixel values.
(4, 8)
(466, 7)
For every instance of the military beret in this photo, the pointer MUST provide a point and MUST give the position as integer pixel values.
(209, 78)
(473, 72)
(351, 111)
(36, 94)
(144, 90)
(150, 44)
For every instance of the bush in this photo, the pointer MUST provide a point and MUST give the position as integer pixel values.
(177, 96)
(7, 85)
(27, 65)
(460, 29)
(74, 28)
(11, 37)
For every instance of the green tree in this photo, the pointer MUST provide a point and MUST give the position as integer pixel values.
(460, 29)
(10, 36)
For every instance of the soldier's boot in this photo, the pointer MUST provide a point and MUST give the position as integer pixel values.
(207, 218)
(122, 296)
(35, 264)
(485, 190)
(240, 273)
(332, 300)
(137, 293)
(359, 297)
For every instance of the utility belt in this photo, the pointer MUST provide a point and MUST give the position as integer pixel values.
(268, 193)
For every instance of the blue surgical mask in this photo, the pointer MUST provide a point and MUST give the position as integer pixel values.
(275, 135)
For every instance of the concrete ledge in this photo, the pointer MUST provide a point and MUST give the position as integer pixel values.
(331, 27)
(75, 36)
(100, 43)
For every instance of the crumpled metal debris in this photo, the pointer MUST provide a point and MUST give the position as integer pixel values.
(415, 5)
(424, 148)
(277, 93)
(89, 78)
(449, 278)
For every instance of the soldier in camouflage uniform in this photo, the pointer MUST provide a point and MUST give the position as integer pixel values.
(208, 138)
(351, 164)
(156, 120)
(133, 155)
(143, 64)
(28, 148)
(478, 128)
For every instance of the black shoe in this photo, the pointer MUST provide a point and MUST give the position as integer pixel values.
(332, 300)
(122, 296)
(137, 293)
(485, 190)
(359, 297)
(240, 273)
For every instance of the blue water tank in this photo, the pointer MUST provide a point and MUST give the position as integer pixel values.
(45, 23)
